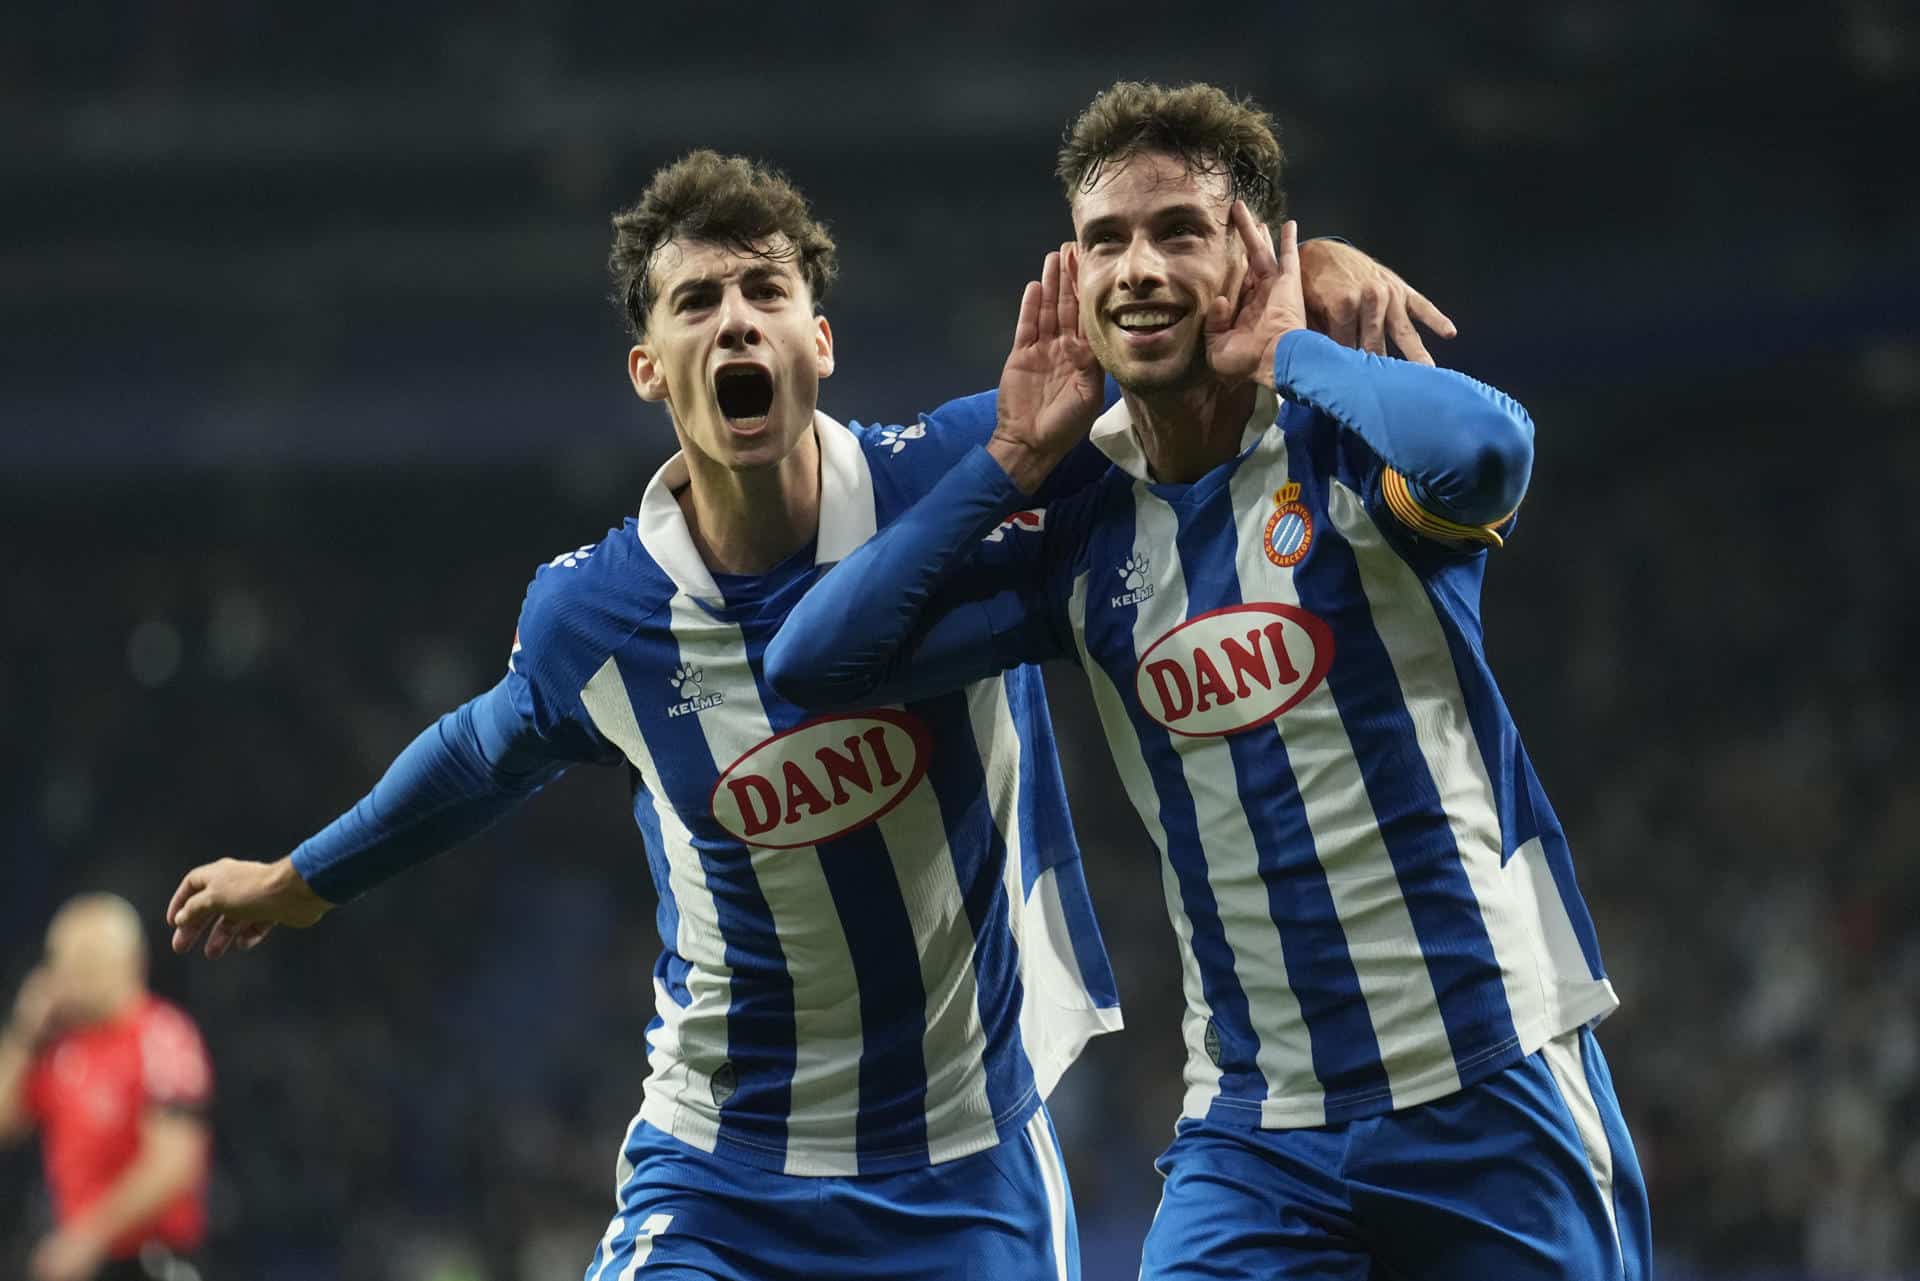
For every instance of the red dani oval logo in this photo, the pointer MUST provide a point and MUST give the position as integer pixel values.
(822, 779)
(1231, 669)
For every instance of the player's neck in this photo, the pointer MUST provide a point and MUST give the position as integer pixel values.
(748, 521)
(1187, 433)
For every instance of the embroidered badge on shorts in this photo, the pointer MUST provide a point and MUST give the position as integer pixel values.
(1290, 528)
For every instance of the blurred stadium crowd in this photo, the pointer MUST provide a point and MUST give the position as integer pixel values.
(306, 368)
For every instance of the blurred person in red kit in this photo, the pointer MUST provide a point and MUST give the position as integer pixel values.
(118, 1083)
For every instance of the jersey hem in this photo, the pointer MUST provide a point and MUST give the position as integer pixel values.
(810, 1161)
(1294, 1112)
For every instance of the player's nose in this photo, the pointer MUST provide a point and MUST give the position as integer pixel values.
(1142, 268)
(737, 327)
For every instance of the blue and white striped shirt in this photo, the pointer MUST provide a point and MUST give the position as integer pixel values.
(1374, 902)
(879, 952)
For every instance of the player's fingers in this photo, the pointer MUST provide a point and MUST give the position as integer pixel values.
(1343, 322)
(1288, 257)
(1406, 338)
(251, 936)
(1373, 319)
(1026, 330)
(1430, 316)
(1049, 317)
(190, 884)
(1260, 255)
(219, 938)
(196, 914)
(1220, 313)
(1068, 311)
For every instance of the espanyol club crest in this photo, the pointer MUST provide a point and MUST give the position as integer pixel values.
(1290, 528)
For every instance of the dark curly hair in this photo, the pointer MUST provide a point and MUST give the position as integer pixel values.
(726, 200)
(1212, 132)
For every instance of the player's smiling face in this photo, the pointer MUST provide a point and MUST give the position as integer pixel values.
(733, 347)
(1154, 248)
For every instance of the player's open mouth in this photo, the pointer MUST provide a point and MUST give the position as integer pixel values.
(1144, 322)
(744, 393)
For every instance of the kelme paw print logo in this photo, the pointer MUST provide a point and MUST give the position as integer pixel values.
(896, 438)
(1134, 570)
(573, 559)
(687, 680)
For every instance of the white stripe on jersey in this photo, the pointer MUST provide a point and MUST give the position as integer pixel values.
(1372, 912)
(1574, 999)
(823, 1122)
(1053, 1178)
(1416, 644)
(1282, 1053)
(1566, 1059)
(697, 1032)
(1123, 742)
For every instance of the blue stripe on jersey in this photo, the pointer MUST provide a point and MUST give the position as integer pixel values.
(1346, 1054)
(1109, 639)
(1522, 816)
(979, 854)
(1047, 838)
(760, 1012)
(671, 969)
(1406, 803)
(886, 965)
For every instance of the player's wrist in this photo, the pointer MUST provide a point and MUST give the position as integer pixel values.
(1027, 462)
(288, 886)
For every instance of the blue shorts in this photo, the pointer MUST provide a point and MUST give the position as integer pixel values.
(1528, 1175)
(687, 1215)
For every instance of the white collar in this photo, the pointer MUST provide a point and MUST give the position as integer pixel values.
(846, 511)
(1113, 433)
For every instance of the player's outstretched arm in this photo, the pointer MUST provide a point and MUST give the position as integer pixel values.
(1464, 449)
(458, 777)
(914, 612)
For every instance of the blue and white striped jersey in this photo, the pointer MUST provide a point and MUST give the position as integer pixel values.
(1374, 902)
(878, 949)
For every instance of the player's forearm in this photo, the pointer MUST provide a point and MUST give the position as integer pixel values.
(171, 1159)
(1465, 449)
(461, 775)
(872, 626)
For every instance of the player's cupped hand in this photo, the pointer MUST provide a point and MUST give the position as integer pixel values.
(236, 903)
(1051, 387)
(1241, 333)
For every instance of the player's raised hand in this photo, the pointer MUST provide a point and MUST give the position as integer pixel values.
(1051, 387)
(1358, 302)
(237, 902)
(1242, 333)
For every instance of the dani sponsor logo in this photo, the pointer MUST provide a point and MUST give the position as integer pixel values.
(1231, 669)
(823, 779)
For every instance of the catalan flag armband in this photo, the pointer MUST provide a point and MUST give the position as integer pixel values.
(1401, 502)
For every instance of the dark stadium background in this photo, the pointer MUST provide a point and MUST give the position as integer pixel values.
(305, 364)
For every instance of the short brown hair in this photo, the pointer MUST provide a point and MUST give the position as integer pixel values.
(1213, 132)
(726, 200)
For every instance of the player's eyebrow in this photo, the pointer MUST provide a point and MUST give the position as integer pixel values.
(691, 285)
(754, 275)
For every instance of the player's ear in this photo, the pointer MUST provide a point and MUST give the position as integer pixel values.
(823, 346)
(646, 373)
